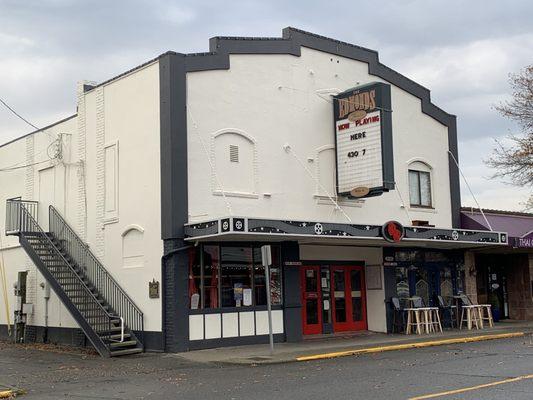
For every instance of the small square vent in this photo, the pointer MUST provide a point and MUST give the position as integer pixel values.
(233, 153)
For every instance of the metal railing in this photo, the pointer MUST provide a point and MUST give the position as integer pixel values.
(95, 315)
(106, 285)
(13, 213)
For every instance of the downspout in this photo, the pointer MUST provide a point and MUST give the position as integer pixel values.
(46, 299)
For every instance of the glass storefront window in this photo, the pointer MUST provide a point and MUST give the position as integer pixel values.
(446, 284)
(195, 278)
(211, 275)
(422, 285)
(275, 278)
(402, 285)
(236, 265)
(232, 276)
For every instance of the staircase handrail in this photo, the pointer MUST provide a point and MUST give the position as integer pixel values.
(38, 229)
(83, 249)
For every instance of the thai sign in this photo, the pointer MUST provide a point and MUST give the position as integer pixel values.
(524, 241)
(363, 141)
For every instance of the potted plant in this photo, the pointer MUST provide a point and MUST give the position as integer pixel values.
(494, 301)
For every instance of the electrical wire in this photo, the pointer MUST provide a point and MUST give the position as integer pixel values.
(57, 142)
(472, 193)
(289, 149)
(22, 118)
(23, 166)
(17, 114)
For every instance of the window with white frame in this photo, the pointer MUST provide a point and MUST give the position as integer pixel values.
(420, 185)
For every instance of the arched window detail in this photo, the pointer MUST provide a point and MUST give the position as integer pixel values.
(133, 246)
(420, 178)
(325, 171)
(234, 160)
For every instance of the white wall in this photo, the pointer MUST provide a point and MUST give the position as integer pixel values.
(273, 100)
(125, 113)
(61, 176)
(372, 256)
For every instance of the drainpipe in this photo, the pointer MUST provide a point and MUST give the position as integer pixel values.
(46, 298)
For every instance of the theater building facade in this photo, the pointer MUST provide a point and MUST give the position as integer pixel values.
(176, 173)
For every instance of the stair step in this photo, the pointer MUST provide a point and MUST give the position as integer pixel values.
(126, 343)
(106, 331)
(125, 352)
(117, 336)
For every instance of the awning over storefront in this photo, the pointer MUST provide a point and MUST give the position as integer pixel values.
(257, 229)
(519, 226)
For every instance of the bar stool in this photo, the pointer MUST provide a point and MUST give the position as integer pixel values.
(486, 309)
(471, 314)
(435, 319)
(413, 320)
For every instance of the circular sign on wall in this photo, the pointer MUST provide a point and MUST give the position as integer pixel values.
(392, 231)
(360, 191)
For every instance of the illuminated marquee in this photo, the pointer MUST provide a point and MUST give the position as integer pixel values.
(363, 140)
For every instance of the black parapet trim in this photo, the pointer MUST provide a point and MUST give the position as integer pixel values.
(173, 70)
(173, 126)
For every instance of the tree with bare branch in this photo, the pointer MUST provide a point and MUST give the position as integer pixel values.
(514, 161)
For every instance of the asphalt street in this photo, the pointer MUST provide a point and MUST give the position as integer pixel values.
(393, 375)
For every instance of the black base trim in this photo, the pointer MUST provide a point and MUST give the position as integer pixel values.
(235, 341)
(153, 340)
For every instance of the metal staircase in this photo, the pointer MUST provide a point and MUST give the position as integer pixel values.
(105, 313)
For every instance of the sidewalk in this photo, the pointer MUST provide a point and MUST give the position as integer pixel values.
(362, 342)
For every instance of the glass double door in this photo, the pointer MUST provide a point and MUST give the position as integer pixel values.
(333, 299)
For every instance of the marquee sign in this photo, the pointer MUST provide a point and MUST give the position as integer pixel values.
(391, 231)
(363, 141)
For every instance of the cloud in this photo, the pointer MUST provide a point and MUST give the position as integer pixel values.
(175, 14)
(462, 51)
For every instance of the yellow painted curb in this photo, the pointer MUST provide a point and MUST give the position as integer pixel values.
(414, 345)
(472, 388)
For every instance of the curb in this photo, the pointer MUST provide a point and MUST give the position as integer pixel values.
(380, 349)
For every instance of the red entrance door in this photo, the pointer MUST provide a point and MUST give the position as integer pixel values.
(348, 298)
(311, 300)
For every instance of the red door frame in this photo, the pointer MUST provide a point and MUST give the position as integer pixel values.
(311, 329)
(349, 324)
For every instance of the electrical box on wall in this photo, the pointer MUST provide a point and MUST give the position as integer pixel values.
(27, 308)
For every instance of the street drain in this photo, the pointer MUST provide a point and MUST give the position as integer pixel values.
(260, 358)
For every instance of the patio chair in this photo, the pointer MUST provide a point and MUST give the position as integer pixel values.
(398, 317)
(417, 302)
(449, 311)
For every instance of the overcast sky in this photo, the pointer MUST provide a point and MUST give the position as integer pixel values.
(461, 50)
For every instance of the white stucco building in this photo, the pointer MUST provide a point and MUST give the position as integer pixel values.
(177, 171)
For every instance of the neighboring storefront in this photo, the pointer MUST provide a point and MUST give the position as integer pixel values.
(503, 276)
